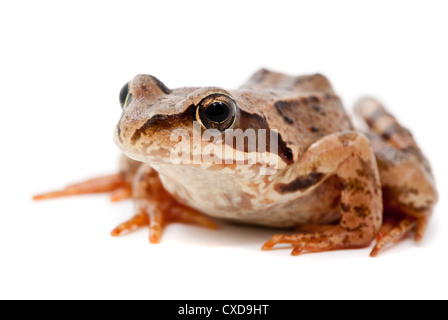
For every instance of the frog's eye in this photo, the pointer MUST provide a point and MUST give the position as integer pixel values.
(125, 95)
(217, 111)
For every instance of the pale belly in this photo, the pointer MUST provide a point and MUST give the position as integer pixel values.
(220, 195)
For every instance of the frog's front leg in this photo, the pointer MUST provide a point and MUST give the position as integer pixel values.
(155, 207)
(349, 157)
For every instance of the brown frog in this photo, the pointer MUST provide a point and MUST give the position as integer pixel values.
(338, 187)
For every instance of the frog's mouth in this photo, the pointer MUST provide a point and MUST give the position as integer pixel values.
(205, 156)
(161, 160)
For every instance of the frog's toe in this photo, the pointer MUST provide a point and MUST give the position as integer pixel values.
(303, 242)
(183, 214)
(153, 219)
(175, 214)
(121, 193)
(110, 183)
(392, 233)
(136, 222)
(420, 228)
(271, 243)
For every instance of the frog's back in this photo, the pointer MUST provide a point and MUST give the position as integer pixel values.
(303, 108)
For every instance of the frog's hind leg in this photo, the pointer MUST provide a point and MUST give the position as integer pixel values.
(409, 193)
(349, 157)
(156, 208)
(119, 184)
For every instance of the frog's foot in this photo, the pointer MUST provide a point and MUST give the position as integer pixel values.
(394, 230)
(117, 184)
(156, 207)
(157, 217)
(326, 238)
(321, 238)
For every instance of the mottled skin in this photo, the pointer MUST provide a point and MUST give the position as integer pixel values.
(333, 183)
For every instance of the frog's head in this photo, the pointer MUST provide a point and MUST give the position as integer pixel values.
(155, 119)
(153, 116)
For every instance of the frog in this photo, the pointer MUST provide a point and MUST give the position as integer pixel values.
(335, 185)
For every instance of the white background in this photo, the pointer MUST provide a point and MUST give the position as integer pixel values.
(62, 66)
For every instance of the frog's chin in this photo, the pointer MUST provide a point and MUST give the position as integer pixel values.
(149, 159)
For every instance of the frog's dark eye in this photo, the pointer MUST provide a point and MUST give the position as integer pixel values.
(125, 96)
(217, 111)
